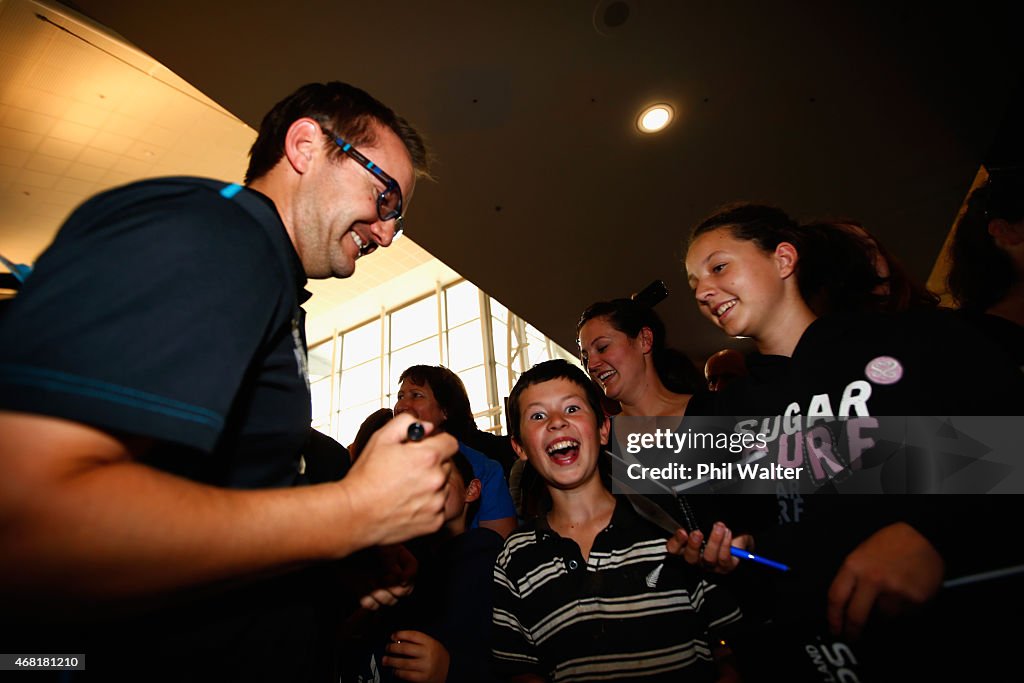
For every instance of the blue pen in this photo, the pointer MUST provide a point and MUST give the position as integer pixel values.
(655, 514)
(744, 555)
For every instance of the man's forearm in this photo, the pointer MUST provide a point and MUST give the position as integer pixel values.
(112, 527)
(80, 517)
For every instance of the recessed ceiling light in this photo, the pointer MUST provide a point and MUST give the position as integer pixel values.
(655, 118)
(613, 16)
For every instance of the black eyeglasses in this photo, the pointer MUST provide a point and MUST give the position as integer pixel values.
(389, 202)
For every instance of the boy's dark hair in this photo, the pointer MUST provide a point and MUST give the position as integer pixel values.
(450, 393)
(342, 109)
(545, 372)
(373, 422)
(461, 463)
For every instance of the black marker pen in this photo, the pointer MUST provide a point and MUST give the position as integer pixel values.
(416, 432)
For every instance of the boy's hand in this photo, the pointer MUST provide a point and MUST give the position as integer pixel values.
(415, 656)
(378, 576)
(397, 581)
(716, 556)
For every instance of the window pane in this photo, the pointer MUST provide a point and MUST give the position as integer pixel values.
(351, 418)
(321, 392)
(497, 310)
(501, 377)
(501, 380)
(463, 303)
(423, 353)
(360, 384)
(323, 427)
(538, 348)
(320, 360)
(361, 344)
(465, 346)
(500, 334)
(476, 387)
(562, 353)
(414, 322)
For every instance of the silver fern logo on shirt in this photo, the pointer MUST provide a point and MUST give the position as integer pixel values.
(300, 352)
(652, 578)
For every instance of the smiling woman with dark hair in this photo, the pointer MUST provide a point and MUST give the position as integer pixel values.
(435, 394)
(622, 346)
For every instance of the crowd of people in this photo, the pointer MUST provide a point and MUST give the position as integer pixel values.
(166, 509)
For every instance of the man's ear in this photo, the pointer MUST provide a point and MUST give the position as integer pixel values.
(473, 491)
(301, 141)
(605, 430)
(786, 258)
(518, 448)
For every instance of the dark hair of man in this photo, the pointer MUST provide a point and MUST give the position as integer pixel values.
(548, 371)
(450, 393)
(838, 272)
(344, 110)
(675, 370)
(981, 273)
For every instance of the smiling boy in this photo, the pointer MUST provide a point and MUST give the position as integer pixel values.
(591, 591)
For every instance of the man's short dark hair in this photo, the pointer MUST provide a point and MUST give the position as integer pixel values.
(545, 372)
(343, 109)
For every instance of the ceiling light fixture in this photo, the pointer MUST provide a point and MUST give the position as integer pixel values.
(655, 118)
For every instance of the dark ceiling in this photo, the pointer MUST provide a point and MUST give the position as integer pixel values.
(547, 197)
